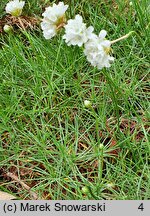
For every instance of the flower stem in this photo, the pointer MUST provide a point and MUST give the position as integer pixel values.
(96, 125)
(100, 163)
(113, 89)
(122, 38)
(71, 5)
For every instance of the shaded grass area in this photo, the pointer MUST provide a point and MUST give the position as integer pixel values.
(49, 139)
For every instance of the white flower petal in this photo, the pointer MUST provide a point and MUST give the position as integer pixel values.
(106, 43)
(102, 34)
(48, 34)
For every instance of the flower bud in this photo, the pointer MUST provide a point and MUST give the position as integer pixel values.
(87, 103)
(110, 185)
(7, 28)
(101, 146)
(85, 190)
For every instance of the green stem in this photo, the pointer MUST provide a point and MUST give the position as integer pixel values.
(96, 126)
(110, 82)
(71, 5)
(101, 163)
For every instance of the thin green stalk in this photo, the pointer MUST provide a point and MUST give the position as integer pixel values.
(96, 125)
(71, 5)
(101, 162)
(110, 82)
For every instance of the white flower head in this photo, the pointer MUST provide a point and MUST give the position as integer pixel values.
(15, 7)
(54, 18)
(76, 32)
(97, 51)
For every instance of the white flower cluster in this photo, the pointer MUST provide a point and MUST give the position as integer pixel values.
(97, 51)
(96, 48)
(54, 18)
(76, 32)
(15, 7)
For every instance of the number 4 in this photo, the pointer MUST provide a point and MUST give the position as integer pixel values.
(141, 207)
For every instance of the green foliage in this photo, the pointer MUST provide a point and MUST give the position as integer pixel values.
(48, 138)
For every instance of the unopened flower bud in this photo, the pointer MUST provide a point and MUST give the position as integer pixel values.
(110, 185)
(101, 146)
(87, 103)
(7, 28)
(85, 190)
